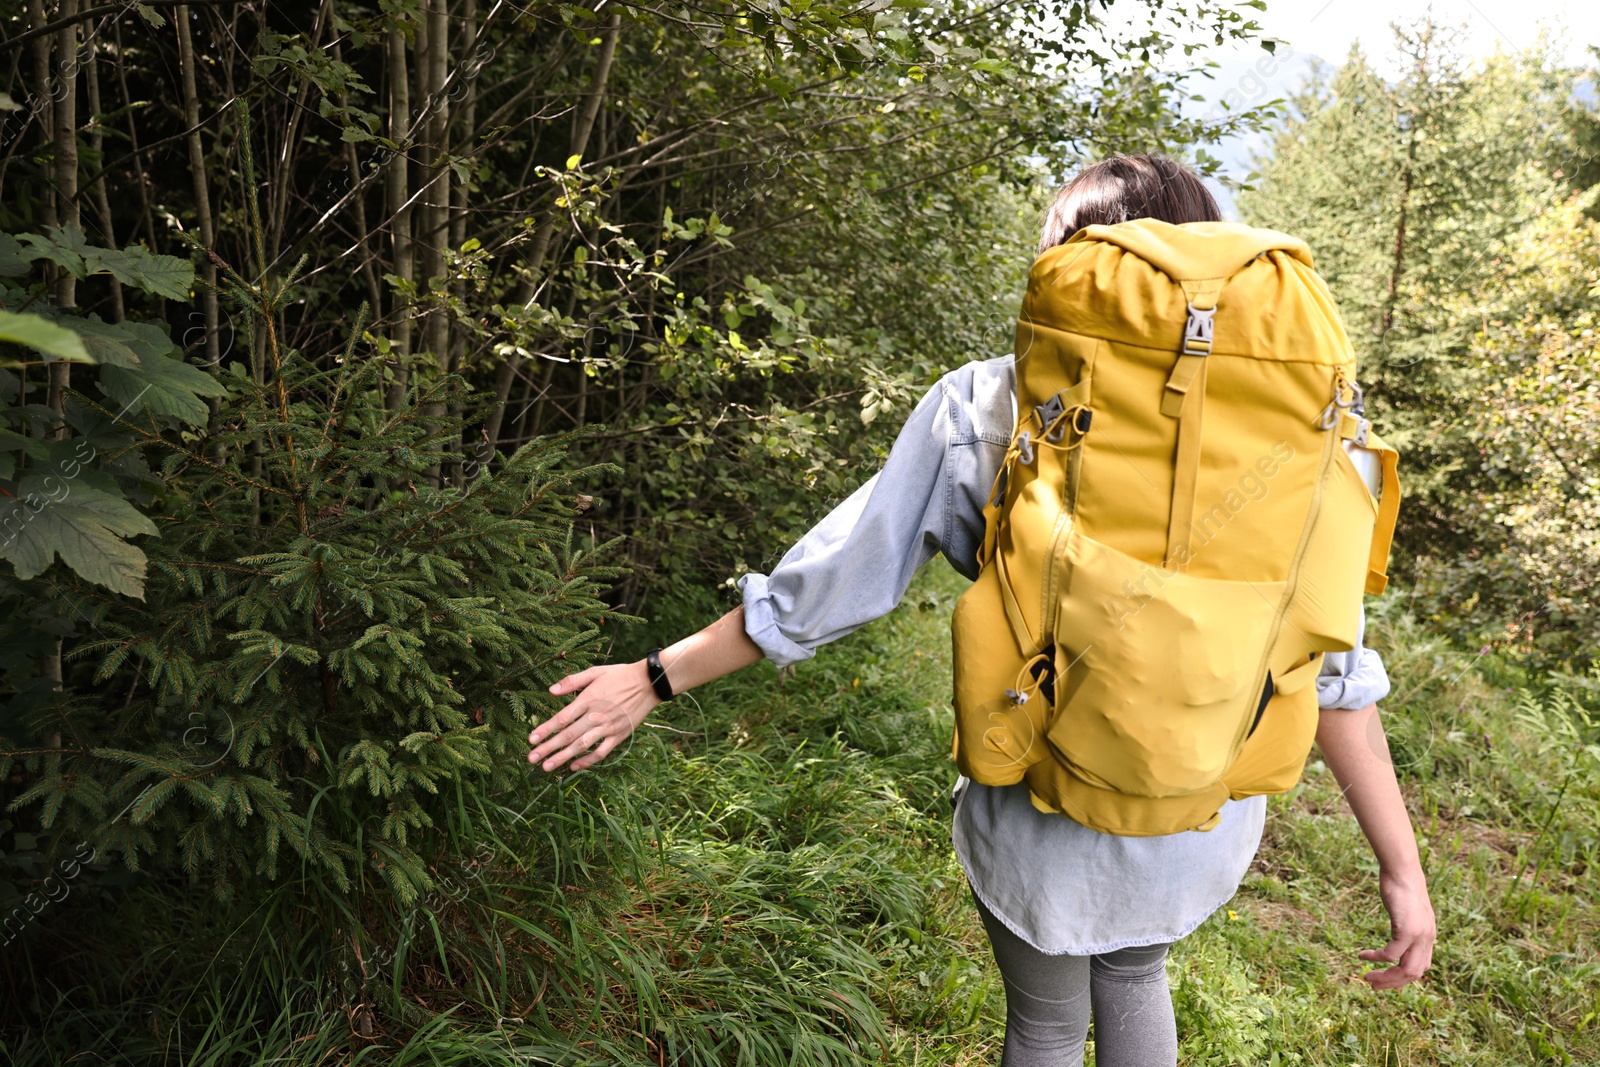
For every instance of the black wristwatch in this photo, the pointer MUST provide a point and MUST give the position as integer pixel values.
(658, 674)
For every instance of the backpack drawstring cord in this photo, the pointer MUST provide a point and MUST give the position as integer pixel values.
(1027, 683)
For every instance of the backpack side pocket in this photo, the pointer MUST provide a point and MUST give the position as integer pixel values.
(997, 738)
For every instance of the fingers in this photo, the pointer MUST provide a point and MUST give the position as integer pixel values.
(574, 682)
(573, 741)
(556, 723)
(580, 744)
(572, 732)
(601, 751)
(1411, 958)
(594, 717)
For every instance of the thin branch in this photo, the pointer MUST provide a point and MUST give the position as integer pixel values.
(104, 9)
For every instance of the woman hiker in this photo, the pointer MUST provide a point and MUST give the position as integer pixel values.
(1080, 921)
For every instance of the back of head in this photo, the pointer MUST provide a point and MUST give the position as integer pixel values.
(1123, 188)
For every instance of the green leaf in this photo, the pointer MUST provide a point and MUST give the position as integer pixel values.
(111, 343)
(64, 246)
(150, 15)
(137, 266)
(573, 161)
(14, 262)
(53, 515)
(162, 385)
(43, 336)
(8, 104)
(12, 441)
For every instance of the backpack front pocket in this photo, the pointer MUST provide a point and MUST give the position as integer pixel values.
(1159, 674)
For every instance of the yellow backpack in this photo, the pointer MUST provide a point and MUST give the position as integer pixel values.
(1178, 532)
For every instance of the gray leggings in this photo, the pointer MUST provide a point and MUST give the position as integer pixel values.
(1048, 1000)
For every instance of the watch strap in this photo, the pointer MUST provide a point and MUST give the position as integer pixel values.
(658, 674)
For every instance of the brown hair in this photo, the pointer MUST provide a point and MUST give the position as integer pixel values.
(1128, 187)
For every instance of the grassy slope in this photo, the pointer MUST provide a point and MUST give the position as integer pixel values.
(848, 767)
(766, 878)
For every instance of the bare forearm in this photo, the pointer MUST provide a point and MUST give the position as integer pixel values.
(708, 654)
(613, 699)
(1356, 750)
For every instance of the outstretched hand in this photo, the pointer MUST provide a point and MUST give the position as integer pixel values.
(1411, 933)
(612, 700)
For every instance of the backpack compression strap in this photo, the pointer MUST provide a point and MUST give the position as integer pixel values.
(1184, 400)
(1357, 429)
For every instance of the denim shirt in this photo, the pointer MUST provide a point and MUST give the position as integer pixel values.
(1055, 883)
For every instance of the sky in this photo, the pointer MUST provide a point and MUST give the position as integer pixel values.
(1326, 29)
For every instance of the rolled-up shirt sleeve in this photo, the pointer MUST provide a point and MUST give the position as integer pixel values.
(855, 564)
(1352, 679)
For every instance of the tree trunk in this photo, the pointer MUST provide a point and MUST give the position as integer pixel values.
(66, 181)
(64, 115)
(433, 62)
(1420, 73)
(204, 224)
(42, 86)
(102, 200)
(352, 165)
(466, 132)
(397, 189)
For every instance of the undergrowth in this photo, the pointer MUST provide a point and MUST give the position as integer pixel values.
(764, 877)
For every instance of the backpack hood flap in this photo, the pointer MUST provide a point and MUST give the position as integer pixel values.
(1195, 251)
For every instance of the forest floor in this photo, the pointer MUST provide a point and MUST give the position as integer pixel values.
(844, 779)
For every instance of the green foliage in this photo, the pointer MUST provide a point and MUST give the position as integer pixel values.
(41, 335)
(767, 870)
(670, 904)
(134, 266)
(67, 473)
(1530, 475)
(349, 647)
(330, 665)
(743, 237)
(1438, 208)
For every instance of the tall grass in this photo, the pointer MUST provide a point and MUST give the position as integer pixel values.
(765, 878)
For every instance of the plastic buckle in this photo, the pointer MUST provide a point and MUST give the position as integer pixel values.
(1198, 331)
(1355, 403)
(1049, 412)
(1025, 447)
